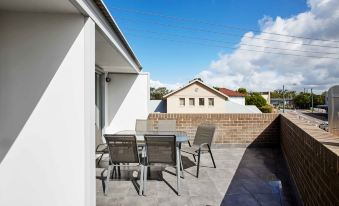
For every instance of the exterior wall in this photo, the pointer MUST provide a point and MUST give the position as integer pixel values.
(313, 160)
(238, 100)
(127, 99)
(46, 109)
(232, 129)
(173, 105)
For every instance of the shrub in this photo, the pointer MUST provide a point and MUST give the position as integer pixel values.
(266, 109)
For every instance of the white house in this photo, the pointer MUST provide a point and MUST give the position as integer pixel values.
(197, 97)
(234, 96)
(55, 58)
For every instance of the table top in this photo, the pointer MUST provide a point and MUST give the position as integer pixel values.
(180, 136)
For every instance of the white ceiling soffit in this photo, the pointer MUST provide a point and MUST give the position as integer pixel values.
(108, 58)
(62, 6)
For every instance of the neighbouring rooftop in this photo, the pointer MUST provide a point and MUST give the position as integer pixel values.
(244, 176)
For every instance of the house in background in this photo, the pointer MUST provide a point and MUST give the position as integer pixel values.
(233, 96)
(266, 96)
(197, 97)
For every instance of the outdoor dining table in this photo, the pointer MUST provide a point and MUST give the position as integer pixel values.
(181, 137)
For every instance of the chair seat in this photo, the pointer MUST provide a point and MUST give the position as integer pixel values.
(194, 149)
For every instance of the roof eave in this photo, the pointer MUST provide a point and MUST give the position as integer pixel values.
(102, 7)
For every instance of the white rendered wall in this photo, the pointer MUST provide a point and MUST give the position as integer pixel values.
(46, 106)
(127, 99)
(195, 91)
(238, 100)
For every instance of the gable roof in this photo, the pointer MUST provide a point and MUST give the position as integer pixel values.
(198, 82)
(231, 93)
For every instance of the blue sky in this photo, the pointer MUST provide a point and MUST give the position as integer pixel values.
(172, 62)
(171, 49)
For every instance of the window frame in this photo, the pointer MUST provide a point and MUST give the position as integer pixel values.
(203, 102)
(189, 102)
(182, 105)
(210, 102)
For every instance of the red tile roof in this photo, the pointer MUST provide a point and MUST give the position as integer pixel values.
(231, 93)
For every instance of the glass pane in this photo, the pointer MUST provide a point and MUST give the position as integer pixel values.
(201, 101)
(192, 101)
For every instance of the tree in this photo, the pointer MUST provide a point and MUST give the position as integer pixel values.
(302, 100)
(158, 93)
(243, 91)
(199, 79)
(255, 99)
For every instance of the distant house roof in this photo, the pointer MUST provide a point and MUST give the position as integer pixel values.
(231, 93)
(198, 82)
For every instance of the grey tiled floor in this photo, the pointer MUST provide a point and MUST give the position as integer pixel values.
(252, 176)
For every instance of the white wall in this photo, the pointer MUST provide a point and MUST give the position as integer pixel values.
(238, 100)
(127, 99)
(46, 89)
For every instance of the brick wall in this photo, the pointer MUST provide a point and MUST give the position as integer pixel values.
(313, 161)
(232, 129)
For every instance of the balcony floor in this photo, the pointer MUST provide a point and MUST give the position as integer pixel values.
(244, 176)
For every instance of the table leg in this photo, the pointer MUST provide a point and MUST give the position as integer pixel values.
(178, 170)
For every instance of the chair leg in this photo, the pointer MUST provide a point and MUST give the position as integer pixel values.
(145, 179)
(141, 187)
(107, 179)
(119, 173)
(198, 163)
(194, 158)
(100, 159)
(210, 151)
(182, 167)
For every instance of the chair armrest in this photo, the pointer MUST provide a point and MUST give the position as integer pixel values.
(200, 146)
(189, 143)
(96, 149)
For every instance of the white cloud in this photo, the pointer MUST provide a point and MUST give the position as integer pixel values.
(262, 71)
(157, 83)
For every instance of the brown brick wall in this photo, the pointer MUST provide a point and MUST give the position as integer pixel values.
(232, 129)
(312, 157)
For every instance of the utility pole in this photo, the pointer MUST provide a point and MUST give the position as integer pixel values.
(312, 99)
(283, 98)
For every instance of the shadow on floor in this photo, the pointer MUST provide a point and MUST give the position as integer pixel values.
(261, 178)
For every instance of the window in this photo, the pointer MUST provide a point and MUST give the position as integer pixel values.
(182, 101)
(201, 101)
(210, 101)
(191, 101)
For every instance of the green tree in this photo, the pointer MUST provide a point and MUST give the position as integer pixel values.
(255, 99)
(243, 91)
(302, 100)
(158, 93)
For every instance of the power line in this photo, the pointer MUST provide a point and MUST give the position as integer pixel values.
(219, 25)
(230, 34)
(226, 42)
(210, 45)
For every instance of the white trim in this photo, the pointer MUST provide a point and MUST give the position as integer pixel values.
(88, 8)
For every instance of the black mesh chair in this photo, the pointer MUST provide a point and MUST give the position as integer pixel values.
(144, 125)
(167, 125)
(160, 149)
(202, 143)
(123, 149)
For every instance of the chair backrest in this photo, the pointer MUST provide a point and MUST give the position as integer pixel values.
(167, 125)
(161, 149)
(144, 125)
(204, 134)
(122, 148)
